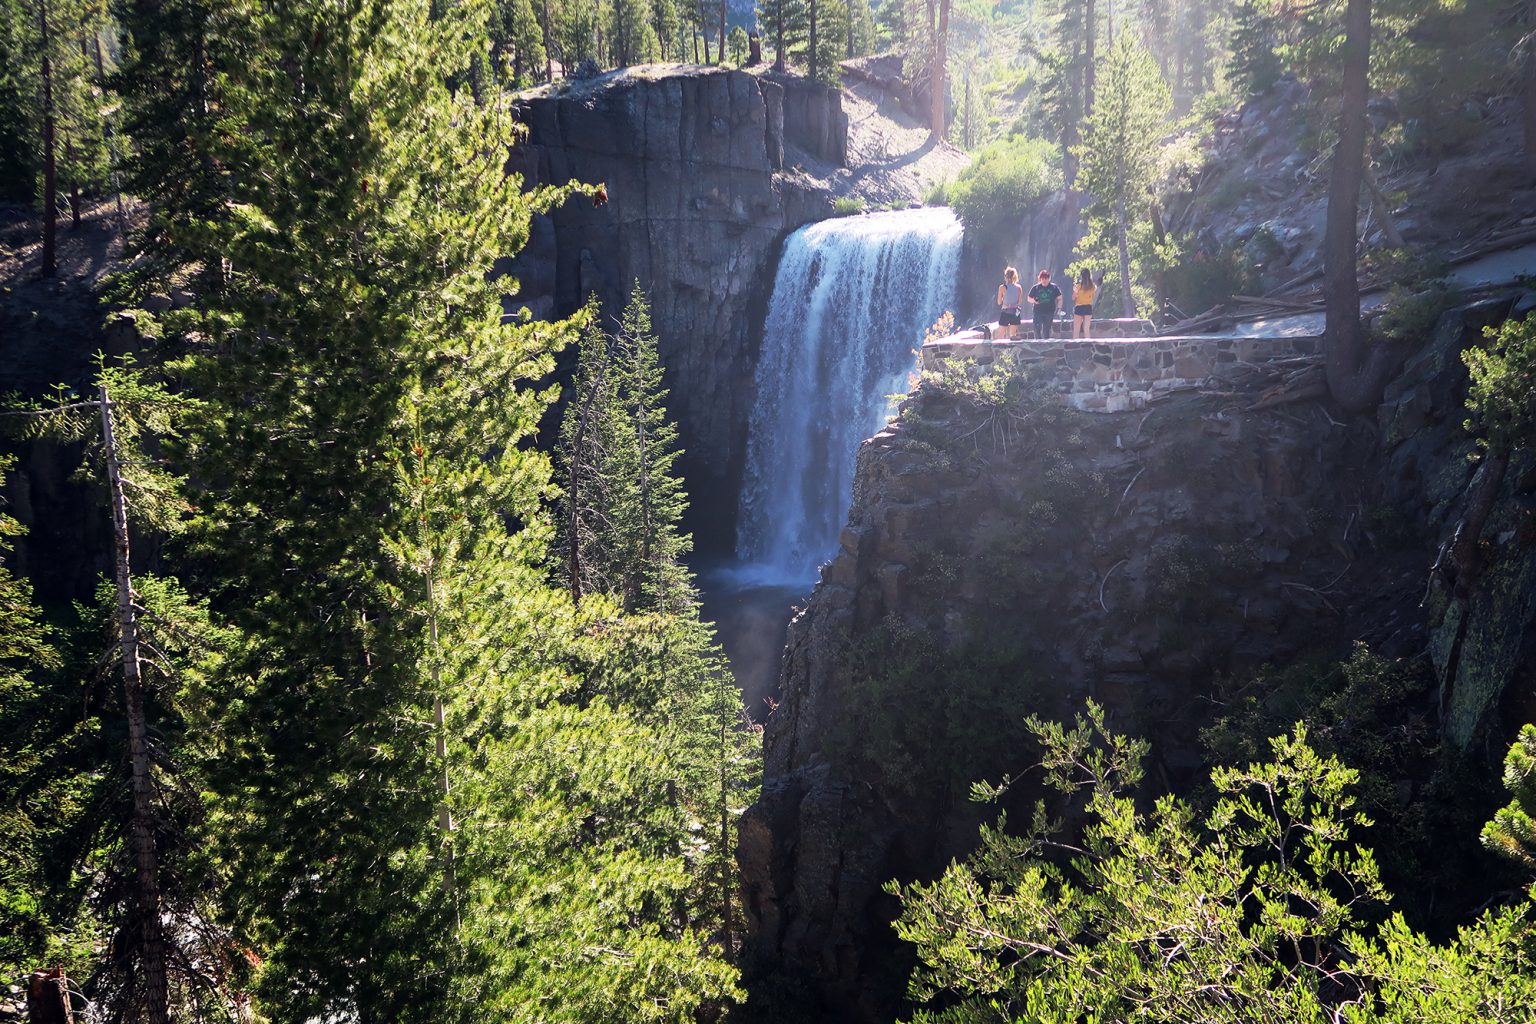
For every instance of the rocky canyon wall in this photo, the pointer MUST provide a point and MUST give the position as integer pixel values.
(1008, 558)
(698, 205)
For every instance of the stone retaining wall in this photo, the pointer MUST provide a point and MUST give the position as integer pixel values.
(1111, 374)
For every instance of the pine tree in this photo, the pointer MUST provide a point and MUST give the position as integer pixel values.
(1255, 66)
(18, 165)
(159, 642)
(418, 778)
(60, 108)
(517, 43)
(168, 82)
(784, 26)
(1120, 145)
(623, 501)
(826, 39)
(1512, 832)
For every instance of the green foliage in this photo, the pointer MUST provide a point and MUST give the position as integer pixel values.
(74, 99)
(1004, 180)
(1512, 832)
(517, 43)
(785, 24)
(1503, 392)
(1258, 909)
(30, 929)
(407, 766)
(623, 502)
(169, 84)
(847, 206)
(1120, 151)
(18, 156)
(1255, 64)
(737, 45)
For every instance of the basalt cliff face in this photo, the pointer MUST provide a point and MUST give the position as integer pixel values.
(698, 205)
(999, 562)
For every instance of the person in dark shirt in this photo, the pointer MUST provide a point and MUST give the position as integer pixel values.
(1044, 296)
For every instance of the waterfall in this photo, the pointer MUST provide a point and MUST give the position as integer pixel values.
(851, 300)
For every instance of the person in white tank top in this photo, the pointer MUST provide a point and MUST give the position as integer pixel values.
(1010, 300)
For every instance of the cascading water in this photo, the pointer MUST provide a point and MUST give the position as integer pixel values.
(851, 300)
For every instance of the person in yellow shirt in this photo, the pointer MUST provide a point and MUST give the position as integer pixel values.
(1083, 294)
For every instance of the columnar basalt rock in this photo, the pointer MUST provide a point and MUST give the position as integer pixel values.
(1003, 561)
(696, 212)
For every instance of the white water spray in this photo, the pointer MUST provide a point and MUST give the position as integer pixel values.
(851, 300)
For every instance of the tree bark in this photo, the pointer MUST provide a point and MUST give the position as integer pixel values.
(1356, 370)
(720, 50)
(1127, 302)
(48, 998)
(50, 165)
(1088, 68)
(141, 827)
(936, 124)
(549, 53)
(101, 83)
(813, 61)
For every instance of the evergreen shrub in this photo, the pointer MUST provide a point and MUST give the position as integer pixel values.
(1005, 179)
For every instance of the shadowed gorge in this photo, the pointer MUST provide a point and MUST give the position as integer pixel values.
(777, 512)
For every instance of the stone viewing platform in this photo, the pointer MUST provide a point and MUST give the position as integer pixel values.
(1124, 365)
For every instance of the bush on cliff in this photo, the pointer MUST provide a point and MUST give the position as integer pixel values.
(1261, 908)
(1006, 177)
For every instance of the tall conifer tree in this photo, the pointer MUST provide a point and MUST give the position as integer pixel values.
(418, 780)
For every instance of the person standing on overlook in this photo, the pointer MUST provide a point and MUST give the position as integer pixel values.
(1083, 295)
(1044, 296)
(1010, 299)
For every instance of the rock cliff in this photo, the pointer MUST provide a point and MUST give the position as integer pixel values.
(698, 204)
(1008, 558)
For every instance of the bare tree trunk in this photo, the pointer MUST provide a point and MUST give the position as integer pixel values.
(74, 182)
(1088, 68)
(720, 50)
(549, 51)
(48, 998)
(101, 83)
(778, 53)
(50, 165)
(1127, 302)
(141, 828)
(814, 62)
(936, 124)
(1356, 370)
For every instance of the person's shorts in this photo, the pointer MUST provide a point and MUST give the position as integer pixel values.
(1008, 319)
(1083, 310)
